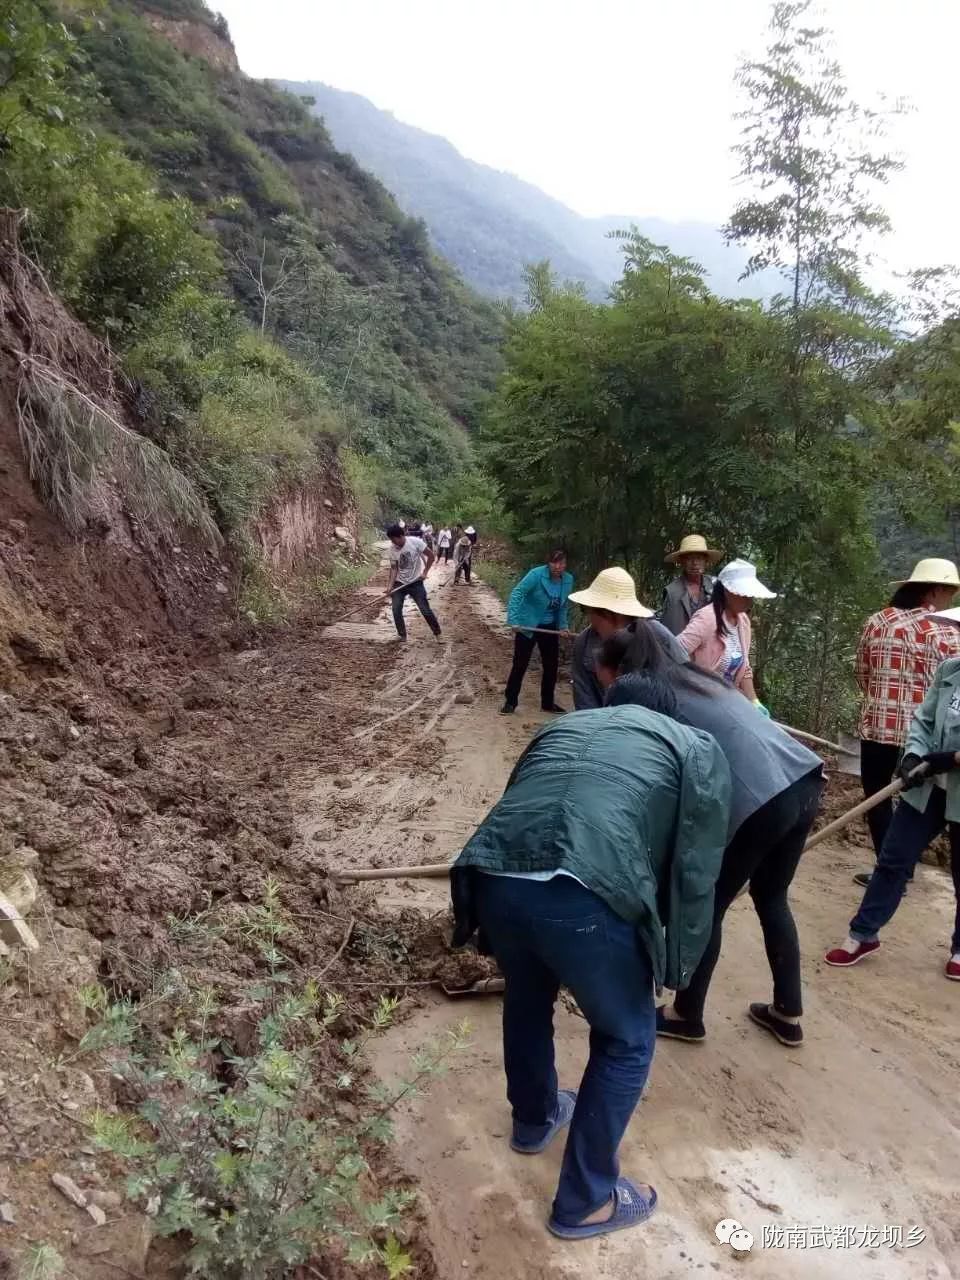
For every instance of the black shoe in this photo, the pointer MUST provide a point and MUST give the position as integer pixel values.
(680, 1028)
(788, 1033)
(555, 709)
(508, 708)
(862, 878)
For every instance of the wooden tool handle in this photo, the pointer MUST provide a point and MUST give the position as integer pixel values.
(811, 737)
(437, 869)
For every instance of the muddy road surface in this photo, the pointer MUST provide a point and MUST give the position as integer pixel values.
(829, 1156)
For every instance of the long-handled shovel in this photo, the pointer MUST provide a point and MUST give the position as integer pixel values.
(440, 869)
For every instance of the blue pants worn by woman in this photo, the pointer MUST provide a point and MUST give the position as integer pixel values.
(553, 933)
(909, 833)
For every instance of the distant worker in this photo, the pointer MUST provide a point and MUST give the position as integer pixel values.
(930, 802)
(471, 533)
(410, 561)
(776, 785)
(718, 639)
(537, 610)
(445, 544)
(692, 588)
(611, 605)
(897, 658)
(462, 558)
(594, 872)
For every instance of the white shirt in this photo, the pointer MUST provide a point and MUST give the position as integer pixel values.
(444, 538)
(409, 560)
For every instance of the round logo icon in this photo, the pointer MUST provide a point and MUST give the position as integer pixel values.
(725, 1229)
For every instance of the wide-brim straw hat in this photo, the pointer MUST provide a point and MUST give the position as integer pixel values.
(613, 590)
(934, 573)
(739, 577)
(693, 545)
(948, 615)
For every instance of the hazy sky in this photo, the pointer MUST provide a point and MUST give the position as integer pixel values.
(620, 106)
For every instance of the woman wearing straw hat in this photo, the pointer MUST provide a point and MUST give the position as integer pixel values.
(611, 605)
(899, 652)
(718, 639)
(931, 802)
(692, 587)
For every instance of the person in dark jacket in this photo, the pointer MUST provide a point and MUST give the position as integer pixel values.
(776, 789)
(693, 586)
(611, 605)
(595, 871)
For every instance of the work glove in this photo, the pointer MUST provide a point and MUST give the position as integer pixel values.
(761, 708)
(906, 768)
(941, 761)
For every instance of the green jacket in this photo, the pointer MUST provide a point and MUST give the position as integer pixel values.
(635, 806)
(936, 727)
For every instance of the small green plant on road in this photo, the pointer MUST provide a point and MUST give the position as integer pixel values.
(249, 1155)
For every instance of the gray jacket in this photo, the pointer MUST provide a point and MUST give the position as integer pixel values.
(678, 607)
(936, 727)
(763, 759)
(588, 692)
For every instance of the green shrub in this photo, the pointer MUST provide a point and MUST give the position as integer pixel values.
(247, 1153)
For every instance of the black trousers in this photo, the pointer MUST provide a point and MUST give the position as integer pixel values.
(464, 568)
(523, 646)
(765, 851)
(446, 552)
(878, 763)
(418, 594)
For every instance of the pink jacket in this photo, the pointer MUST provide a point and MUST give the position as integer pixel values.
(705, 647)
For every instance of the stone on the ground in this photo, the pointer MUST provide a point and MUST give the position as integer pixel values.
(67, 1187)
(465, 698)
(328, 504)
(97, 1214)
(106, 1199)
(7, 1215)
(21, 892)
(13, 930)
(345, 536)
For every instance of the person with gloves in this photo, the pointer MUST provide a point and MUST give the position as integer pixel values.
(595, 872)
(930, 802)
(718, 639)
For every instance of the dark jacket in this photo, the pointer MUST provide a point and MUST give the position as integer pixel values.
(678, 607)
(635, 806)
(588, 693)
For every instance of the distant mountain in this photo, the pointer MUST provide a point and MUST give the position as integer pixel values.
(489, 223)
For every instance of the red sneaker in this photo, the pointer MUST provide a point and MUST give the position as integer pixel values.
(841, 959)
(952, 970)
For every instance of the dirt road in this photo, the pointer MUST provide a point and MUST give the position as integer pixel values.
(859, 1129)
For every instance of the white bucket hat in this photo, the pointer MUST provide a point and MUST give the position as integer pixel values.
(935, 573)
(614, 590)
(740, 578)
(948, 615)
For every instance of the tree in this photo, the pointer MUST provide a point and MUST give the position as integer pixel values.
(805, 150)
(275, 273)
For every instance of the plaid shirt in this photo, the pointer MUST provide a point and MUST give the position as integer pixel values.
(897, 658)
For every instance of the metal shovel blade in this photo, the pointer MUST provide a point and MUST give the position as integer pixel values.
(848, 759)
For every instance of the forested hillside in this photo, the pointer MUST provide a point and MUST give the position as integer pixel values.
(810, 435)
(490, 224)
(264, 294)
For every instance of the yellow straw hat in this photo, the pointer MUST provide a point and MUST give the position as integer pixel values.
(693, 545)
(935, 573)
(613, 590)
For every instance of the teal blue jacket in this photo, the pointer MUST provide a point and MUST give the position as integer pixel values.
(936, 727)
(529, 599)
(635, 806)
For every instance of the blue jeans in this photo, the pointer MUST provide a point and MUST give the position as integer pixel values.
(418, 594)
(553, 933)
(909, 833)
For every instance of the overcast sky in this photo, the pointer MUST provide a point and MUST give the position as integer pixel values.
(619, 106)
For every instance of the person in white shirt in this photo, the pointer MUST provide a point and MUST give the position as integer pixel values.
(410, 561)
(445, 544)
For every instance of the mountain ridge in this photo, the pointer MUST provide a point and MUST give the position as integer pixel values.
(488, 222)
